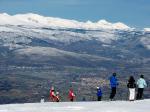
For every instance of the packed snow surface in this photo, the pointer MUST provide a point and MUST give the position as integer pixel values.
(104, 106)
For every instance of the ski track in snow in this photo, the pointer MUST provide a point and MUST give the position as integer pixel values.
(104, 106)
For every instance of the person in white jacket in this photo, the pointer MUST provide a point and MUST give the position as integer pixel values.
(141, 83)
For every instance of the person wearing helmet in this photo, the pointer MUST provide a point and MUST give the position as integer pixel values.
(99, 94)
(113, 84)
(57, 97)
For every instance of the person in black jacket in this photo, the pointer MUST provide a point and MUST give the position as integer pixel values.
(131, 85)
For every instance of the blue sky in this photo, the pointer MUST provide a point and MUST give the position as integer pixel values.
(134, 13)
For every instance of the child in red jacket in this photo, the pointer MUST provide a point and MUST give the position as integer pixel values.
(52, 94)
(71, 95)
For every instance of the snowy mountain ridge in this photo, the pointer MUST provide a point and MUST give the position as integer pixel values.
(38, 20)
(25, 36)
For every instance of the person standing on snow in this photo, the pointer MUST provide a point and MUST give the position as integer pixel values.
(71, 95)
(57, 98)
(113, 84)
(141, 83)
(99, 94)
(52, 94)
(131, 85)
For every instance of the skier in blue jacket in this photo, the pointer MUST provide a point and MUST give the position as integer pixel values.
(99, 94)
(113, 84)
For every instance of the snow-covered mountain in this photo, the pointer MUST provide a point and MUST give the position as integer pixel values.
(115, 106)
(38, 20)
(27, 35)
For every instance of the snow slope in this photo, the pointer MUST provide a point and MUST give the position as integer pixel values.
(114, 106)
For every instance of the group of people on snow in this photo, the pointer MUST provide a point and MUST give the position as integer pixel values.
(141, 84)
(54, 97)
(132, 84)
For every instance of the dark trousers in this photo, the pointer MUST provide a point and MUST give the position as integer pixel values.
(71, 99)
(140, 93)
(99, 98)
(113, 92)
